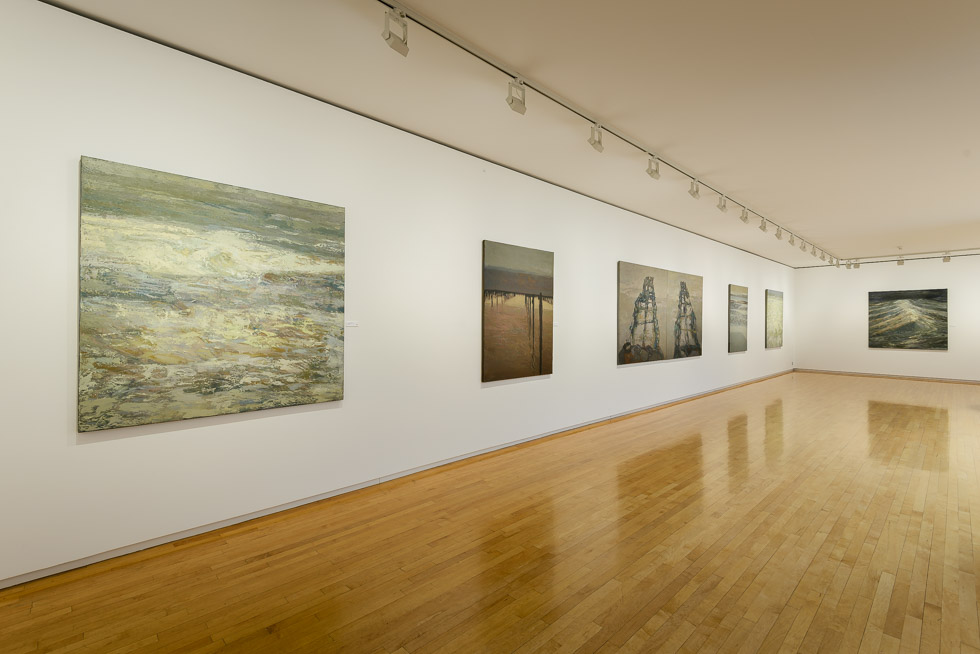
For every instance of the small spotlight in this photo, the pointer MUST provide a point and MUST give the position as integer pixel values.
(802, 246)
(946, 258)
(763, 225)
(653, 167)
(792, 240)
(779, 233)
(745, 216)
(516, 95)
(823, 257)
(398, 43)
(847, 265)
(695, 190)
(836, 263)
(856, 265)
(596, 139)
(901, 261)
(722, 204)
(813, 250)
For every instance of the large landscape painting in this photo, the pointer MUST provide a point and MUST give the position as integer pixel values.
(658, 314)
(198, 298)
(738, 318)
(774, 319)
(908, 320)
(518, 293)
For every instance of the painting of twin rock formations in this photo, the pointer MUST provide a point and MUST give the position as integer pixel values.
(198, 298)
(658, 314)
(518, 297)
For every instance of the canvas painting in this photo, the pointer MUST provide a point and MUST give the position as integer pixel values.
(518, 300)
(658, 314)
(198, 298)
(738, 318)
(774, 319)
(908, 320)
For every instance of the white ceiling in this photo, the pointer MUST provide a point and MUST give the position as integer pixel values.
(853, 124)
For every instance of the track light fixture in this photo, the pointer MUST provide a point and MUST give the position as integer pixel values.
(398, 43)
(946, 258)
(836, 263)
(516, 95)
(695, 190)
(813, 249)
(779, 233)
(847, 264)
(802, 246)
(596, 139)
(653, 166)
(823, 257)
(901, 261)
(722, 203)
(792, 239)
(763, 225)
(745, 216)
(856, 265)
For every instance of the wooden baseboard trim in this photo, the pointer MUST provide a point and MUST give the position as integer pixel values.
(942, 380)
(490, 451)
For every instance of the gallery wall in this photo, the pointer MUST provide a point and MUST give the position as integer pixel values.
(417, 214)
(831, 318)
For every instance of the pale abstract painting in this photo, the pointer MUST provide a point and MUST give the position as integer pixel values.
(198, 298)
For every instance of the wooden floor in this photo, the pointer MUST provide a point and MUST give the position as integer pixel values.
(808, 512)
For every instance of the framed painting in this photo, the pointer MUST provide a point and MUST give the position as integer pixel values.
(518, 302)
(198, 298)
(908, 320)
(738, 318)
(774, 319)
(657, 314)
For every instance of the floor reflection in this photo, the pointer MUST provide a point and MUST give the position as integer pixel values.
(738, 452)
(927, 445)
(774, 433)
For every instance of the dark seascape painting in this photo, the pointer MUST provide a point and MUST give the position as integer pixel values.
(199, 299)
(658, 314)
(908, 320)
(738, 318)
(518, 296)
(774, 319)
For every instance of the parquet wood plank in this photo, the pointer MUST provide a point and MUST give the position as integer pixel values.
(810, 513)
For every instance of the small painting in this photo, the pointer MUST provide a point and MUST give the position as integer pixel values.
(658, 314)
(738, 318)
(198, 298)
(908, 320)
(518, 300)
(774, 319)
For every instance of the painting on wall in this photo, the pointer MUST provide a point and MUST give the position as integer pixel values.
(518, 302)
(774, 319)
(908, 320)
(738, 318)
(199, 299)
(658, 314)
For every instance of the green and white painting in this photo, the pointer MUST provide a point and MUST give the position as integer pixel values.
(198, 298)
(774, 319)
(738, 318)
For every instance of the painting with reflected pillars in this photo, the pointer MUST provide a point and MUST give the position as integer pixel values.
(908, 320)
(518, 296)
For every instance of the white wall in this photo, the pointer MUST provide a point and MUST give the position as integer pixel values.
(416, 216)
(832, 319)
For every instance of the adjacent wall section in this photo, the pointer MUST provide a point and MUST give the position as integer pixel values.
(417, 214)
(832, 319)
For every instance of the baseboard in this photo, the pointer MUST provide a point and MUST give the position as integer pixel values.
(944, 380)
(196, 531)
